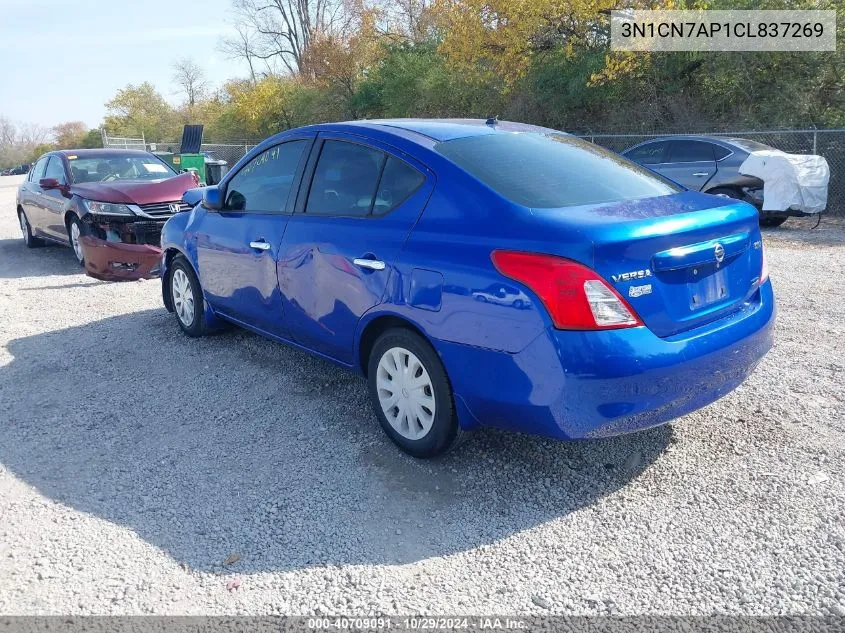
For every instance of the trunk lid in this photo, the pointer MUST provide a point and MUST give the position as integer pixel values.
(680, 261)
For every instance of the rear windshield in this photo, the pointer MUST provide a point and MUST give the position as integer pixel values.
(750, 146)
(552, 170)
(110, 167)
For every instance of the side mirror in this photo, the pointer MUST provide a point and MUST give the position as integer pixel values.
(212, 199)
(49, 183)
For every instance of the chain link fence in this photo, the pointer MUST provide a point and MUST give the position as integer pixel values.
(230, 152)
(827, 143)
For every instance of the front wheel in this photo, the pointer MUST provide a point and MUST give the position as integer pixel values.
(411, 394)
(74, 229)
(186, 297)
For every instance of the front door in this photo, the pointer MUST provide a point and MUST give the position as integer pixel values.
(237, 247)
(341, 244)
(54, 201)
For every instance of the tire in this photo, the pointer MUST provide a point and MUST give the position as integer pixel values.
(726, 192)
(26, 230)
(434, 427)
(74, 233)
(186, 297)
(772, 222)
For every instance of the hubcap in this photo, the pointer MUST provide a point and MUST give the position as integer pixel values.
(74, 240)
(24, 227)
(183, 297)
(405, 393)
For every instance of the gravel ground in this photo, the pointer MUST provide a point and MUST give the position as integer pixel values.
(136, 465)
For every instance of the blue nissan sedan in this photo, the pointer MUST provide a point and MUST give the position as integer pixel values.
(479, 273)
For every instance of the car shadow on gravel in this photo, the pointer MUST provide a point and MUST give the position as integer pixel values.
(16, 260)
(236, 445)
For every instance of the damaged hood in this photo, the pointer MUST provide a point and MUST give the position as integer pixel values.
(134, 191)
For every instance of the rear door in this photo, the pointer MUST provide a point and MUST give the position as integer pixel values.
(354, 213)
(237, 247)
(689, 163)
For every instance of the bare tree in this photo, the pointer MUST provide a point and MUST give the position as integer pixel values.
(282, 31)
(190, 79)
(239, 48)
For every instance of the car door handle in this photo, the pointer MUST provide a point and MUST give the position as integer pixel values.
(260, 245)
(372, 264)
(700, 173)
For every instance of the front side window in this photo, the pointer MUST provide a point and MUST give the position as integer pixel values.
(37, 172)
(649, 154)
(264, 183)
(552, 170)
(56, 170)
(690, 152)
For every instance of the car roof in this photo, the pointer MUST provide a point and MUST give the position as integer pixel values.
(102, 151)
(443, 129)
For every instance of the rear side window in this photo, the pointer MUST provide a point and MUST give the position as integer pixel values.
(345, 180)
(690, 152)
(353, 180)
(649, 154)
(398, 181)
(720, 152)
(264, 183)
(552, 170)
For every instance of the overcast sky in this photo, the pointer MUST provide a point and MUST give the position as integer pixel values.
(61, 60)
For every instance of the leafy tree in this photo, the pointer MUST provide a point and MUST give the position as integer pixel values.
(70, 134)
(137, 110)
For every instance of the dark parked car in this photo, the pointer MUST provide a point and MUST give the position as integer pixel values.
(108, 204)
(709, 164)
(479, 273)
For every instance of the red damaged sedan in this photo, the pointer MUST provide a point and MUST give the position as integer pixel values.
(108, 204)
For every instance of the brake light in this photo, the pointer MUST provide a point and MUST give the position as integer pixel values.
(764, 271)
(576, 297)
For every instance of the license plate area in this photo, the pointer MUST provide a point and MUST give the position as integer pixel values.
(707, 285)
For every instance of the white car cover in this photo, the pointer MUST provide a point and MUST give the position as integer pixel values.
(790, 181)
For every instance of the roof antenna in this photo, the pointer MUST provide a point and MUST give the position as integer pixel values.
(492, 121)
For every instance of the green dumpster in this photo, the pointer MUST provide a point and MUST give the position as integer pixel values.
(191, 162)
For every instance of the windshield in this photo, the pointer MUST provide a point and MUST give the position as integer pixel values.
(110, 167)
(552, 170)
(750, 146)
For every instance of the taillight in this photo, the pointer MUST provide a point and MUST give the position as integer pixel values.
(764, 270)
(576, 297)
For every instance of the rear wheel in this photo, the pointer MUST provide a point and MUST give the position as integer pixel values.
(411, 394)
(772, 222)
(726, 192)
(28, 238)
(186, 297)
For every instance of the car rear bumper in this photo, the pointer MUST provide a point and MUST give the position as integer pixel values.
(569, 384)
(118, 261)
